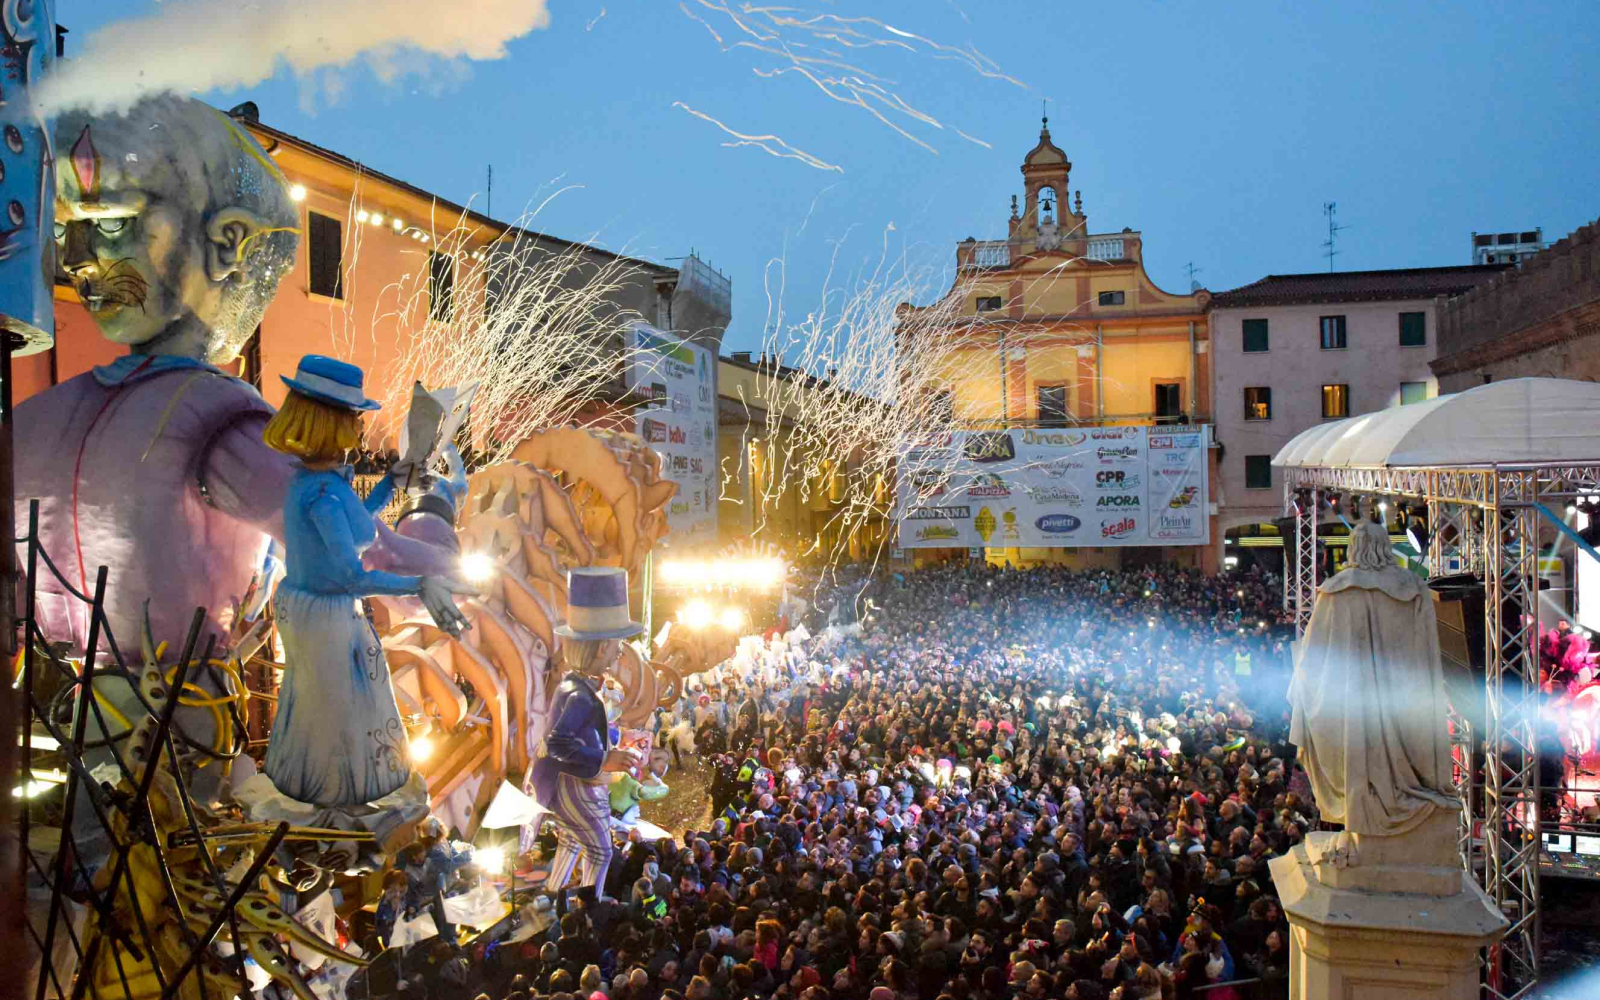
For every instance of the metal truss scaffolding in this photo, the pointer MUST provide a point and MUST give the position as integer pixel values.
(1482, 520)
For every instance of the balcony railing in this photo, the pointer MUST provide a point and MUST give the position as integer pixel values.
(994, 253)
(1105, 248)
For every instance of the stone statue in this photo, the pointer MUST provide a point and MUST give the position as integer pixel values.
(1368, 696)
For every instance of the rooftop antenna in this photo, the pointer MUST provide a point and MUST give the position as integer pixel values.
(1328, 209)
(488, 208)
(1194, 286)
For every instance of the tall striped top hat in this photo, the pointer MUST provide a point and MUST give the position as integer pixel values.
(597, 604)
(330, 381)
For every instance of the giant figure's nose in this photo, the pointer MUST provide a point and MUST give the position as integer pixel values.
(77, 257)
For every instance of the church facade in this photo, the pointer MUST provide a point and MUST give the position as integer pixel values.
(1058, 325)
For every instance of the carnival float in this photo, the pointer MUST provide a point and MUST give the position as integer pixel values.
(261, 687)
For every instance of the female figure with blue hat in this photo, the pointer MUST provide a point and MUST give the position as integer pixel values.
(571, 776)
(337, 738)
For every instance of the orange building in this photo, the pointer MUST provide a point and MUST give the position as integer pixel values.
(1060, 326)
(379, 258)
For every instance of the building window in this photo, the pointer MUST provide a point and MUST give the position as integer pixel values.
(250, 360)
(1112, 298)
(1052, 406)
(441, 286)
(1413, 392)
(1169, 402)
(325, 248)
(988, 303)
(1258, 472)
(1333, 338)
(1336, 400)
(1255, 336)
(1258, 403)
(1413, 329)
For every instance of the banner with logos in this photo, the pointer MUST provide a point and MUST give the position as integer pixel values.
(681, 426)
(1061, 488)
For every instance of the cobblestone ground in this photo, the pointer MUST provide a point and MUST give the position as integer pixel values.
(689, 804)
(1570, 935)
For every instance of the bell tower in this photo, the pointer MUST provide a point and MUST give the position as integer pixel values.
(1045, 219)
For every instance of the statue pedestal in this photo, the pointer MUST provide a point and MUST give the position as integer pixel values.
(1416, 938)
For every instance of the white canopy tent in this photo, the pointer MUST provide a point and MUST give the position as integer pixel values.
(1537, 421)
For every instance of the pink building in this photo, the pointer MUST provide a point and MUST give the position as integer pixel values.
(1293, 350)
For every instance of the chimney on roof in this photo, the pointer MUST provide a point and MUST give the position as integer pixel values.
(246, 112)
(741, 356)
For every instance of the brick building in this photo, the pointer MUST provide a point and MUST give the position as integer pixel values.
(1539, 319)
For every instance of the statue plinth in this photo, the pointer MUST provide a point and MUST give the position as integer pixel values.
(1384, 918)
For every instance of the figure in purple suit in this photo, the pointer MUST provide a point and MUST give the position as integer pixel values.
(571, 776)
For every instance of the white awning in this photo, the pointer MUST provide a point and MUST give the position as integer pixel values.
(1524, 420)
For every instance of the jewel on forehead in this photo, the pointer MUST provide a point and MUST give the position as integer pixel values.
(86, 165)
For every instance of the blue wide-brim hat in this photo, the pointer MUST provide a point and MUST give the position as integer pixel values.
(331, 381)
(597, 604)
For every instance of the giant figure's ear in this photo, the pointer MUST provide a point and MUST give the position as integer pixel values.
(229, 235)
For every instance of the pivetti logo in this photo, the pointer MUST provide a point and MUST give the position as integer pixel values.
(935, 532)
(1117, 529)
(1058, 524)
(1120, 500)
(1121, 454)
(938, 513)
(655, 432)
(1056, 438)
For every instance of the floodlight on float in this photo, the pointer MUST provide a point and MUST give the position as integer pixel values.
(492, 860)
(421, 749)
(477, 567)
(731, 618)
(695, 614)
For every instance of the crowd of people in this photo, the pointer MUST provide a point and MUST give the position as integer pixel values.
(993, 784)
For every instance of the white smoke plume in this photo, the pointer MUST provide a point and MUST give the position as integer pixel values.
(194, 46)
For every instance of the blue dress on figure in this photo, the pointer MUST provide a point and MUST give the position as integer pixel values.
(337, 738)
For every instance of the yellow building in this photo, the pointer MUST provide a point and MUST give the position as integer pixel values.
(781, 486)
(1059, 326)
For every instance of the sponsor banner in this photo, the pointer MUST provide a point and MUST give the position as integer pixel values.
(1103, 486)
(681, 426)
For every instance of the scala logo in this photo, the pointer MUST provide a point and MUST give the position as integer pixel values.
(1055, 494)
(1116, 480)
(1059, 467)
(938, 513)
(1058, 524)
(936, 531)
(1059, 438)
(990, 446)
(988, 485)
(697, 466)
(1185, 497)
(1117, 529)
(675, 435)
(655, 432)
(1174, 441)
(1122, 454)
(1121, 500)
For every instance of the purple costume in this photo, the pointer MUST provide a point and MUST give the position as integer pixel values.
(567, 780)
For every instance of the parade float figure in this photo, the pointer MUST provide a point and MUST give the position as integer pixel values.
(572, 771)
(175, 229)
(337, 738)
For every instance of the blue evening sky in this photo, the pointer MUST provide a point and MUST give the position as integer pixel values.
(1217, 128)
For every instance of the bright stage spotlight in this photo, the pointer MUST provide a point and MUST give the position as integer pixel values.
(491, 859)
(695, 614)
(421, 749)
(731, 619)
(478, 567)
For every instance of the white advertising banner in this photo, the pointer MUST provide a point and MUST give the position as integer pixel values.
(1059, 488)
(681, 425)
